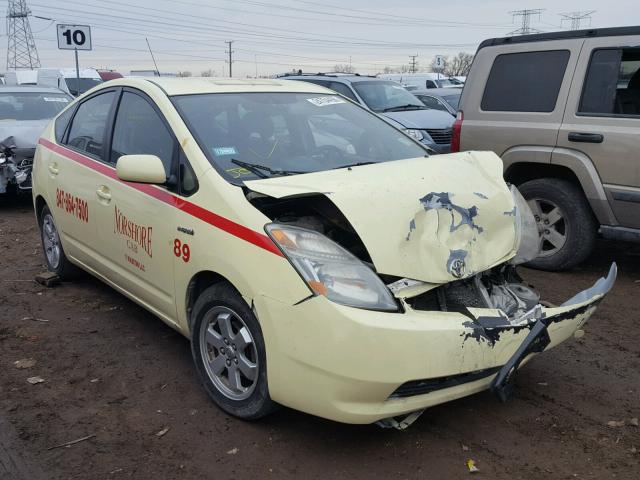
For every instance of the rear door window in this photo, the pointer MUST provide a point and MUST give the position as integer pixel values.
(612, 83)
(89, 125)
(525, 82)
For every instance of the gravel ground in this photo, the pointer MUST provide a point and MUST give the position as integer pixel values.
(114, 371)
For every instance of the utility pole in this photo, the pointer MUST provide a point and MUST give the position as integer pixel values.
(413, 64)
(576, 18)
(230, 52)
(21, 47)
(526, 15)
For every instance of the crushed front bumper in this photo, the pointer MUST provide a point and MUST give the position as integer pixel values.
(348, 364)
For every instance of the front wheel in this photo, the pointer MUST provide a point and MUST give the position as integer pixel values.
(565, 221)
(229, 353)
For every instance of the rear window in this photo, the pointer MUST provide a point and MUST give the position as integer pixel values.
(525, 82)
(612, 83)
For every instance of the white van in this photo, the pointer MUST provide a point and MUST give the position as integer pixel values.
(63, 78)
(421, 80)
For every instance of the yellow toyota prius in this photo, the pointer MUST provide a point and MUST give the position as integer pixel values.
(316, 256)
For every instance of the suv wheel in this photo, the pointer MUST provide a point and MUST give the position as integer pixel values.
(566, 224)
(229, 353)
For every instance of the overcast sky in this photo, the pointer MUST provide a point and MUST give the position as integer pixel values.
(279, 35)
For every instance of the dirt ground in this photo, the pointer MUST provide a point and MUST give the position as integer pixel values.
(114, 371)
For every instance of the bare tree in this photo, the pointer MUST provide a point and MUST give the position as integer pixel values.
(184, 74)
(343, 68)
(208, 73)
(459, 65)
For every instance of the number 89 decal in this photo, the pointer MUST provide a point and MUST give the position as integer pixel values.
(181, 250)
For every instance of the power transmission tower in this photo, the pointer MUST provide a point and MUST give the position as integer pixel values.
(526, 15)
(21, 48)
(413, 65)
(230, 52)
(576, 18)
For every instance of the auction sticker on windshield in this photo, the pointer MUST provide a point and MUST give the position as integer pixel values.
(56, 99)
(323, 101)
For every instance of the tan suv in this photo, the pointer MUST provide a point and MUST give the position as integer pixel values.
(563, 111)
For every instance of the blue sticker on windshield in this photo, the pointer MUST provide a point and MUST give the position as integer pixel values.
(221, 151)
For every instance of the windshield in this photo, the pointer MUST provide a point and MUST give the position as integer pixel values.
(85, 84)
(452, 100)
(381, 96)
(31, 105)
(289, 133)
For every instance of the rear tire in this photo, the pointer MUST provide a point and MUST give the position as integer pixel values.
(565, 221)
(229, 353)
(57, 261)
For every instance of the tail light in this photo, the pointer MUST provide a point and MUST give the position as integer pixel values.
(457, 130)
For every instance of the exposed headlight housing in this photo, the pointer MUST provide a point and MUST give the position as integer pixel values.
(412, 132)
(330, 270)
(527, 234)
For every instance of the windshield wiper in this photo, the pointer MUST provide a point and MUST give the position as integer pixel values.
(404, 107)
(259, 170)
(353, 165)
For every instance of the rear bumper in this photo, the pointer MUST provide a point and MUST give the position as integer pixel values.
(347, 364)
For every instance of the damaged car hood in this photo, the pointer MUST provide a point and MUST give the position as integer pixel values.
(434, 219)
(25, 133)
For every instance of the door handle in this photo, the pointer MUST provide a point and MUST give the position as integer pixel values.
(104, 193)
(53, 168)
(582, 137)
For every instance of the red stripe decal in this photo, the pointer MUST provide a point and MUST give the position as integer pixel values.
(258, 239)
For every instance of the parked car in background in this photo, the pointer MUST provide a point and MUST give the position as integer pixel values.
(563, 111)
(109, 75)
(394, 103)
(445, 99)
(422, 80)
(25, 111)
(293, 236)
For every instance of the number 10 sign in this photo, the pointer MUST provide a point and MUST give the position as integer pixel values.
(74, 37)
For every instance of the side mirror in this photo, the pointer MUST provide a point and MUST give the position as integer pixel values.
(141, 169)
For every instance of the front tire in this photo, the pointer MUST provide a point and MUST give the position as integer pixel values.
(566, 223)
(57, 261)
(229, 353)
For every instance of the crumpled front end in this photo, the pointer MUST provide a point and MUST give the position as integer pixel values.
(359, 366)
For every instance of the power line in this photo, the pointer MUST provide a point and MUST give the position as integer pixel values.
(576, 18)
(21, 47)
(526, 15)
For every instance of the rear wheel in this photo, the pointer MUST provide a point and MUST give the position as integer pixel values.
(57, 261)
(566, 224)
(229, 353)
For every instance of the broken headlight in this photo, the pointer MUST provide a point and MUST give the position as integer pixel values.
(330, 270)
(527, 235)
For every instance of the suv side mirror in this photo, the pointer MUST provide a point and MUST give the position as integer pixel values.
(141, 169)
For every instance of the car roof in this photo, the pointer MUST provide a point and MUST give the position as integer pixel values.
(538, 37)
(441, 92)
(345, 78)
(28, 88)
(196, 85)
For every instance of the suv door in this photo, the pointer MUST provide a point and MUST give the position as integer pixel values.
(136, 222)
(601, 124)
(74, 174)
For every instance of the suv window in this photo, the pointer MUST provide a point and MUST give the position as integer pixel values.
(612, 83)
(140, 130)
(88, 125)
(432, 102)
(342, 89)
(525, 82)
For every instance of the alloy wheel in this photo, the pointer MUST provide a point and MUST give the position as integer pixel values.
(51, 241)
(229, 353)
(552, 225)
